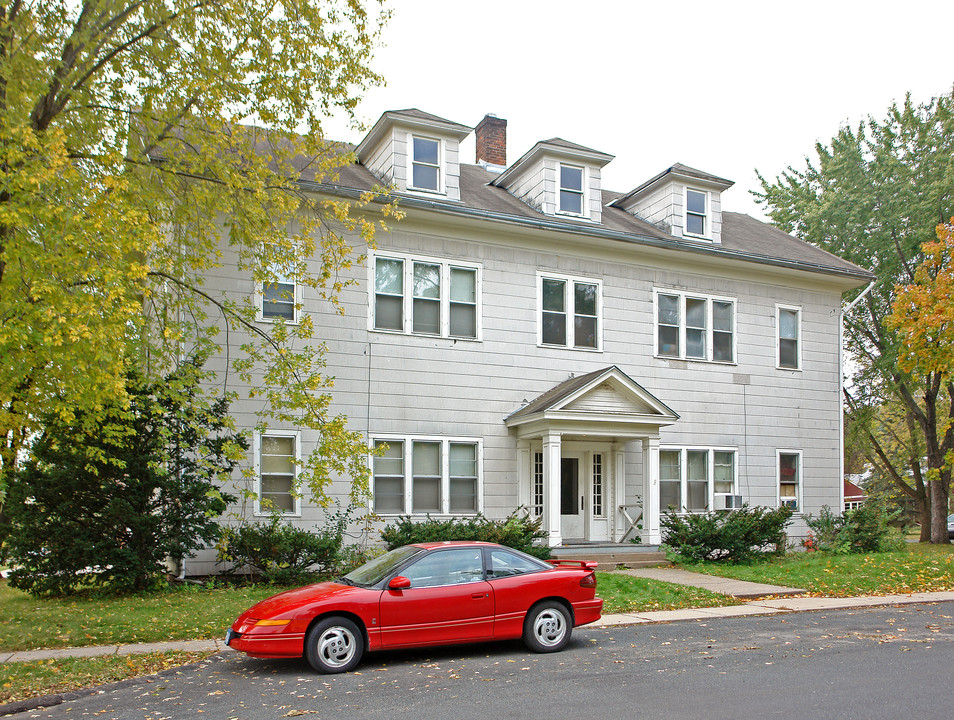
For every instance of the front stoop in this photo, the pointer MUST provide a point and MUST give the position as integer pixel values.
(613, 555)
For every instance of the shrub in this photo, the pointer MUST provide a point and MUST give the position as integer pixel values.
(518, 531)
(281, 553)
(736, 536)
(864, 529)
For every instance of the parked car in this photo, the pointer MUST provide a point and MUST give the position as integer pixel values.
(420, 595)
(950, 527)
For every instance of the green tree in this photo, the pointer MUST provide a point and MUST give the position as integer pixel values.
(874, 196)
(141, 140)
(108, 505)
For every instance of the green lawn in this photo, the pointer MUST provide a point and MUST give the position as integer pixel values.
(916, 568)
(183, 613)
(623, 593)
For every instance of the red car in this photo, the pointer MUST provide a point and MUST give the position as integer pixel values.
(418, 595)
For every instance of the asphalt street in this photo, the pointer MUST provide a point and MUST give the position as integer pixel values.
(886, 662)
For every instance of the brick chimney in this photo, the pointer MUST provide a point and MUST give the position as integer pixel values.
(491, 134)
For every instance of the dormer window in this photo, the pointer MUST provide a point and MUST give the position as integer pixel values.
(696, 213)
(571, 189)
(425, 164)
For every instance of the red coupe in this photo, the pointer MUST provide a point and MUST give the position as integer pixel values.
(426, 594)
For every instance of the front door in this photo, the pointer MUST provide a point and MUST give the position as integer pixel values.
(572, 500)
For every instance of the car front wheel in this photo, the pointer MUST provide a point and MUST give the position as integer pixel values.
(547, 627)
(334, 645)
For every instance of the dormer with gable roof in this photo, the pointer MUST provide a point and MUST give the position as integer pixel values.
(680, 200)
(558, 178)
(416, 152)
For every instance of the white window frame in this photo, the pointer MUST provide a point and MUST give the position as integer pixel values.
(583, 191)
(570, 310)
(260, 302)
(778, 336)
(441, 165)
(445, 443)
(706, 217)
(798, 483)
(408, 294)
(258, 510)
(710, 331)
(711, 494)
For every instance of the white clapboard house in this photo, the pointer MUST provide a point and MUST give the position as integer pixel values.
(525, 337)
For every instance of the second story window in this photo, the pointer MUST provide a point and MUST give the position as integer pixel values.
(696, 213)
(278, 296)
(426, 297)
(425, 164)
(695, 327)
(571, 190)
(570, 312)
(789, 331)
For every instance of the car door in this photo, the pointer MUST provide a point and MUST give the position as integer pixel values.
(448, 601)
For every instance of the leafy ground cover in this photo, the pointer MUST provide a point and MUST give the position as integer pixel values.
(624, 593)
(916, 568)
(22, 680)
(181, 613)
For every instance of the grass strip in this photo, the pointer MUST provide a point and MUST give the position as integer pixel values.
(24, 680)
(916, 568)
(625, 593)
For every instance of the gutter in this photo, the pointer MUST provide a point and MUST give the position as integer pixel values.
(542, 224)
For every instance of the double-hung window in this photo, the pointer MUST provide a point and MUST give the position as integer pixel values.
(690, 479)
(570, 310)
(277, 473)
(695, 327)
(790, 478)
(426, 475)
(426, 296)
(278, 295)
(789, 326)
(697, 215)
(425, 164)
(572, 197)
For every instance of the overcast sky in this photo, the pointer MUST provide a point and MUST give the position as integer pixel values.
(726, 87)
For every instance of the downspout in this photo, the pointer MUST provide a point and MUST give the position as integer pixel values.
(841, 389)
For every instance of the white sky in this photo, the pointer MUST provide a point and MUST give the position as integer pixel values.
(726, 86)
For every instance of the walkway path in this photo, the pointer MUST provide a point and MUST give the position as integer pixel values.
(727, 586)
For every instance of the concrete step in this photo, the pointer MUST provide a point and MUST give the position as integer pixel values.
(610, 559)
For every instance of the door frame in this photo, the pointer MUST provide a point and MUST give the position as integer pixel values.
(595, 529)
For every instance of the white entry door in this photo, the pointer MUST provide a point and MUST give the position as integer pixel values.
(572, 499)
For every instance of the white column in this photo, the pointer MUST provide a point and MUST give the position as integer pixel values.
(651, 534)
(552, 456)
(619, 492)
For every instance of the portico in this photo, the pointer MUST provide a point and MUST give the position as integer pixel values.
(577, 446)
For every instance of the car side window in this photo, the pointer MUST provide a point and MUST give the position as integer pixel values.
(505, 564)
(446, 567)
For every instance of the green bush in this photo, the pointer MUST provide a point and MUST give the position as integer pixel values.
(864, 529)
(281, 553)
(736, 536)
(518, 530)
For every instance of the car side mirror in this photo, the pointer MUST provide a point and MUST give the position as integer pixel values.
(399, 582)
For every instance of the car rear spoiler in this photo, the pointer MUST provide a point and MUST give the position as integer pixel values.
(584, 564)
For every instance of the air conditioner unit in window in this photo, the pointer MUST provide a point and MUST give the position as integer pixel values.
(790, 504)
(728, 502)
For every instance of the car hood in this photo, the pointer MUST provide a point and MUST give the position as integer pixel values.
(310, 594)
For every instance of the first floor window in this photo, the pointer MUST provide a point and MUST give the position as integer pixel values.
(695, 327)
(425, 297)
(277, 472)
(570, 312)
(789, 327)
(444, 476)
(690, 479)
(598, 485)
(789, 479)
(537, 484)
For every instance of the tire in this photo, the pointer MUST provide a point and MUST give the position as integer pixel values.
(547, 627)
(334, 645)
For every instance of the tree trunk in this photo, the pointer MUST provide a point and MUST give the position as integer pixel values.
(924, 510)
(938, 513)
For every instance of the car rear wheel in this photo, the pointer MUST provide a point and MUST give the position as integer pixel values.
(547, 627)
(334, 645)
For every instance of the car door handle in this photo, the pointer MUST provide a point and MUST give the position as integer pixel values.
(479, 596)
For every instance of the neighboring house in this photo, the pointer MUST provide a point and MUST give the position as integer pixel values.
(524, 337)
(854, 495)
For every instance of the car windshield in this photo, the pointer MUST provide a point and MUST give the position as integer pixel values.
(375, 571)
